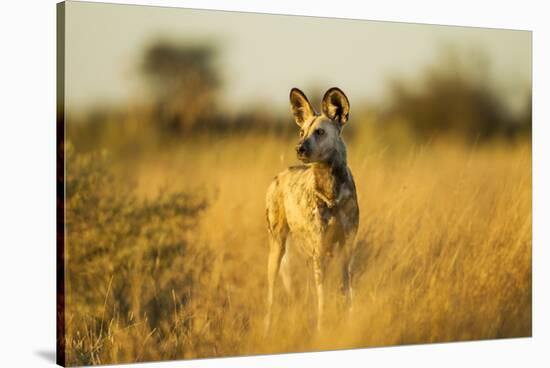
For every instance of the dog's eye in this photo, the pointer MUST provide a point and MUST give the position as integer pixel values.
(320, 131)
(301, 133)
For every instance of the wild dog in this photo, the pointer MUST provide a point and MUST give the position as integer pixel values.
(314, 203)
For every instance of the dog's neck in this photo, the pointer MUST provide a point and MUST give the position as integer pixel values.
(329, 176)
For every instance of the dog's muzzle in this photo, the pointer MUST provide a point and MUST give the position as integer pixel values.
(302, 150)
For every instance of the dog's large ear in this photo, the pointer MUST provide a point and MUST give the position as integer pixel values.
(336, 105)
(301, 108)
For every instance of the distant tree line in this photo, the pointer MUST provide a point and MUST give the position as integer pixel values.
(183, 97)
(456, 97)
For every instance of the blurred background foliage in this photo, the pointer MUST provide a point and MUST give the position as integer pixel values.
(183, 84)
(457, 97)
(453, 97)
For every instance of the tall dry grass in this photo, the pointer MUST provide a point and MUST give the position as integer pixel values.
(174, 265)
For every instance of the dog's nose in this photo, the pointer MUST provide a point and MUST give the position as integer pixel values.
(300, 148)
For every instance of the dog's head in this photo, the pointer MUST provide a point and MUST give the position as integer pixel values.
(320, 135)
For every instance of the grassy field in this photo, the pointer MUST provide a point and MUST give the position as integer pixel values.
(167, 251)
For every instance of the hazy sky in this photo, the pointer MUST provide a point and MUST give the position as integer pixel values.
(263, 56)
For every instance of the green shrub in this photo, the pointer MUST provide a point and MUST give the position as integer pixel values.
(129, 261)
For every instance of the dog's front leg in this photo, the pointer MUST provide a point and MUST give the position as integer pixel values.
(318, 274)
(276, 252)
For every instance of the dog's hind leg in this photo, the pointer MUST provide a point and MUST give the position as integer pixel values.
(347, 287)
(347, 270)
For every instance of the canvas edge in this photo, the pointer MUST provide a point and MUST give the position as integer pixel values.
(60, 183)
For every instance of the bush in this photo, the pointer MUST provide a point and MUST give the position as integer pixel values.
(129, 262)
